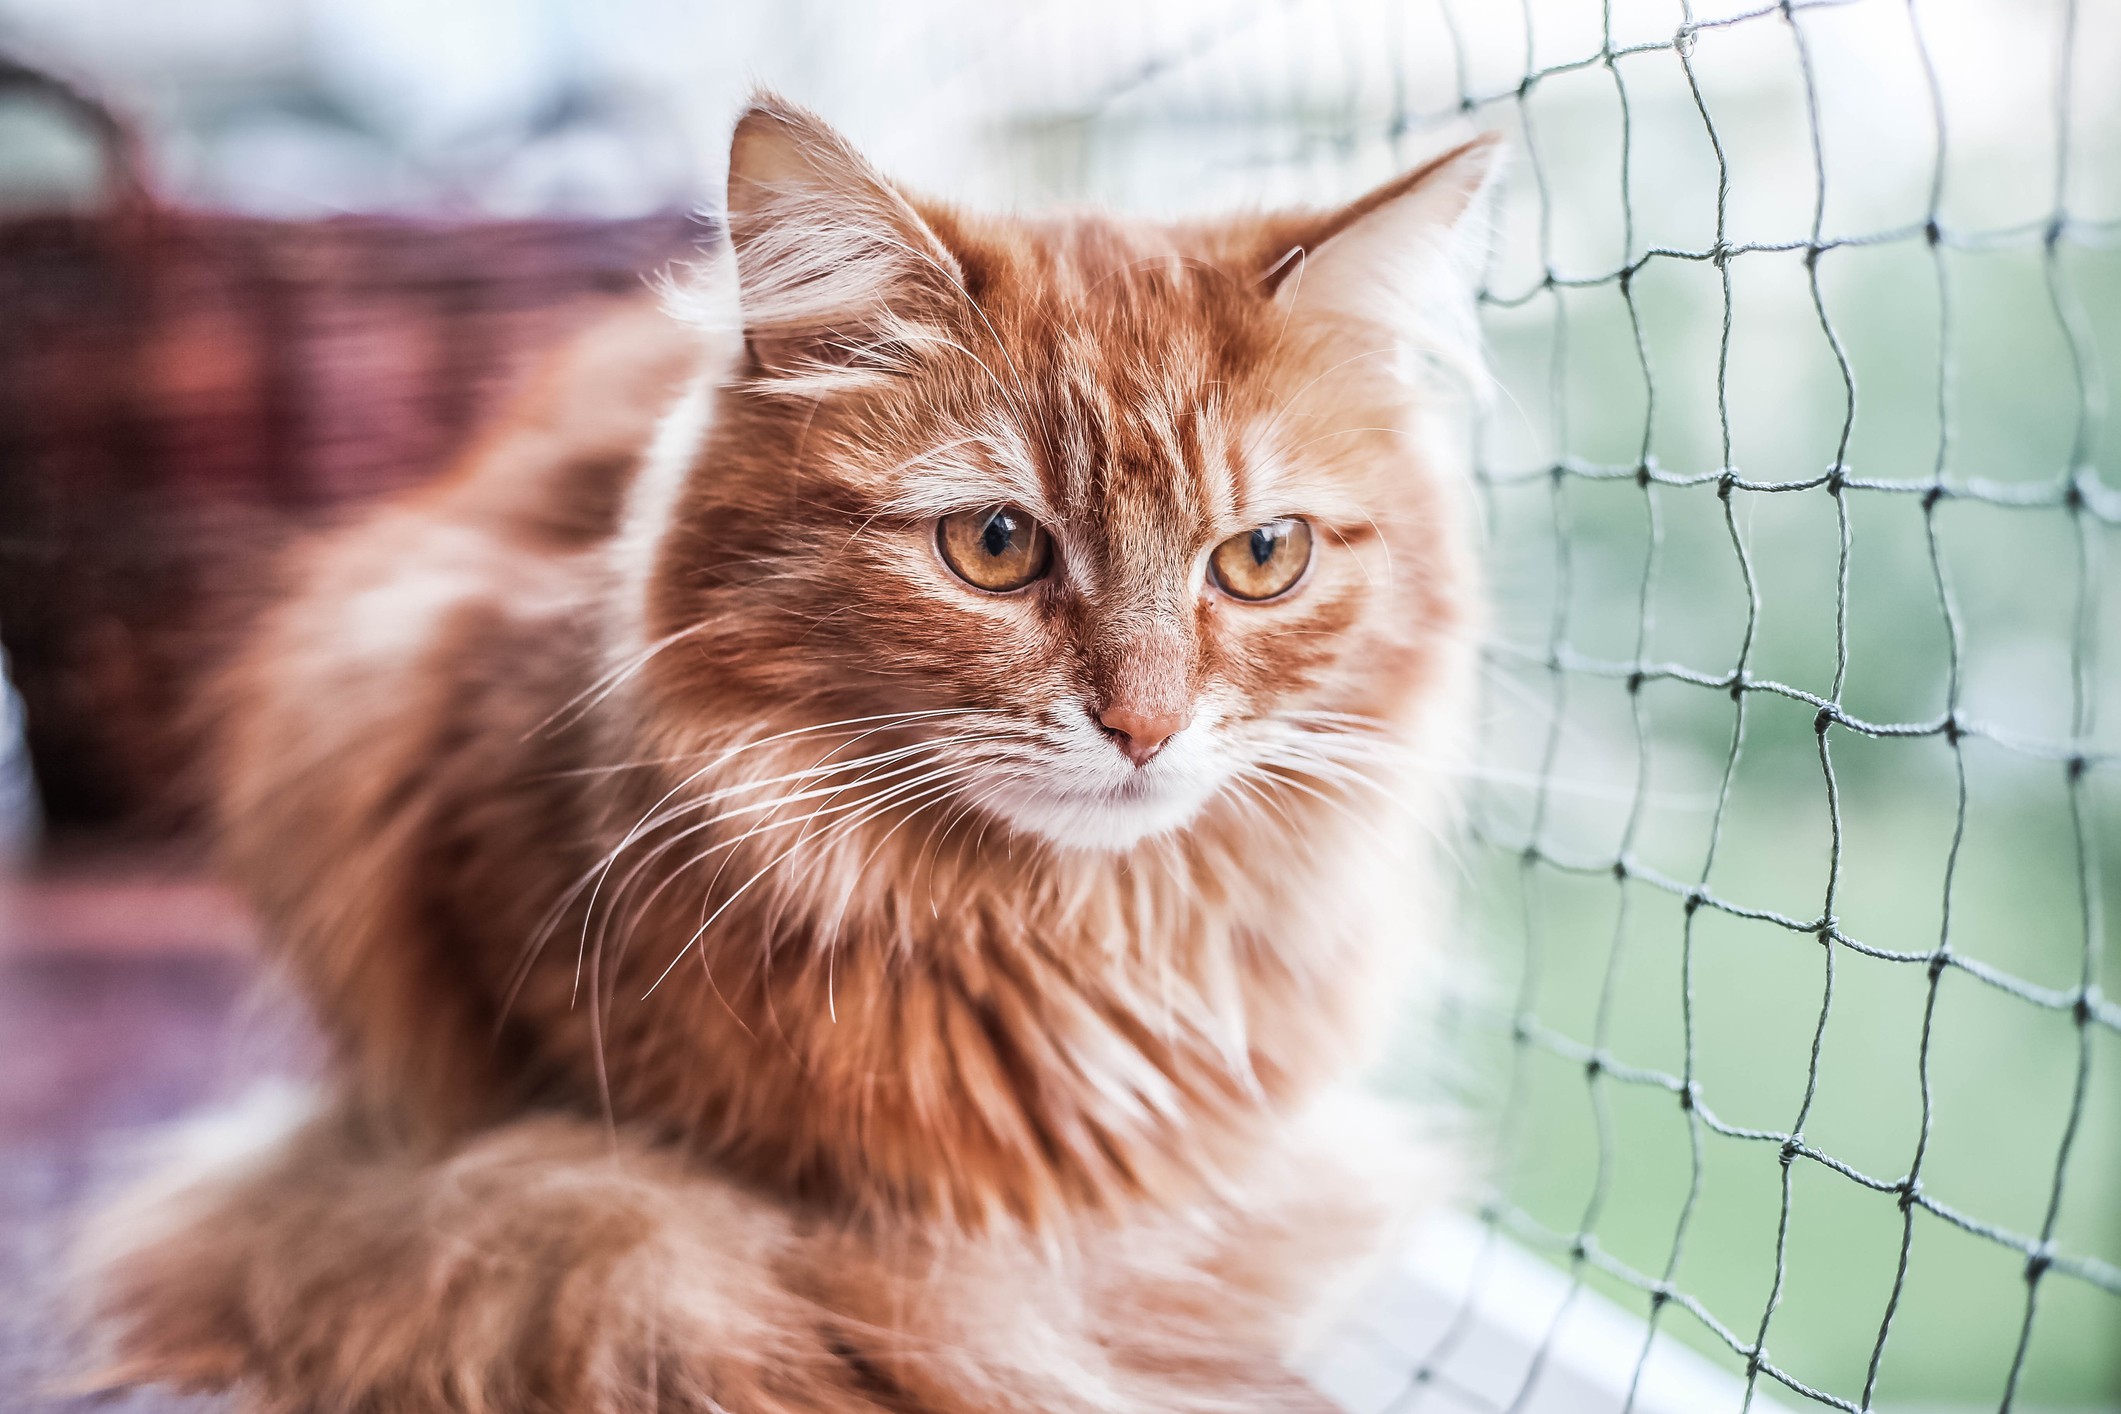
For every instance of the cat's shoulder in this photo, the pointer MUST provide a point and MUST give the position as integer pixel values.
(550, 472)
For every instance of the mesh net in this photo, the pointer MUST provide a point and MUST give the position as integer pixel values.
(1788, 813)
(2072, 492)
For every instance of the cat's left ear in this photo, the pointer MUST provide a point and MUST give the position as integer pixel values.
(1402, 259)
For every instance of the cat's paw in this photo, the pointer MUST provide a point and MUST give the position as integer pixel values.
(539, 1269)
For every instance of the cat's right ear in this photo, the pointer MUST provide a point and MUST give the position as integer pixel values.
(1400, 261)
(839, 279)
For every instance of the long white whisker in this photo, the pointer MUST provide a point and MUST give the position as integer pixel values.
(592, 877)
(826, 768)
(828, 794)
(609, 682)
(874, 803)
(633, 834)
(597, 967)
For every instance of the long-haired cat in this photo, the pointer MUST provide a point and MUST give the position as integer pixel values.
(845, 853)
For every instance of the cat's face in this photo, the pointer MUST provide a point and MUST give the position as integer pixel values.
(1086, 526)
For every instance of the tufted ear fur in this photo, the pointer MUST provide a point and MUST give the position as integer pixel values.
(838, 277)
(1403, 258)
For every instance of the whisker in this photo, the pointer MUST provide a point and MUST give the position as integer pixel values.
(708, 922)
(828, 794)
(609, 682)
(1346, 749)
(593, 876)
(603, 870)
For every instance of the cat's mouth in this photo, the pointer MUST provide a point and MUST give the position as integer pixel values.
(1154, 799)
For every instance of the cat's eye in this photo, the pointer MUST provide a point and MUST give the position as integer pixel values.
(1263, 562)
(999, 549)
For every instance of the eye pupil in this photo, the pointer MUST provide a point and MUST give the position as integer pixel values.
(1265, 541)
(1001, 529)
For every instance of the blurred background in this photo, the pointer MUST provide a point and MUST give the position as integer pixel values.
(1792, 853)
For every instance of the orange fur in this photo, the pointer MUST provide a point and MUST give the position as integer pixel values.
(760, 984)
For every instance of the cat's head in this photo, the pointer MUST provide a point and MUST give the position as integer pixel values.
(1080, 524)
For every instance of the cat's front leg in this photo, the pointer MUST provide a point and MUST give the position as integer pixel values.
(543, 1266)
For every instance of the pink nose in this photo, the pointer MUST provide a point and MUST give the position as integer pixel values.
(1141, 734)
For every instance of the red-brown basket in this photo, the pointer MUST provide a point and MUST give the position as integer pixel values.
(180, 389)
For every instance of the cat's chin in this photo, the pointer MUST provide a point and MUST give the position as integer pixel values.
(1108, 822)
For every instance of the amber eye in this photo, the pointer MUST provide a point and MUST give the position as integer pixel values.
(1264, 561)
(999, 549)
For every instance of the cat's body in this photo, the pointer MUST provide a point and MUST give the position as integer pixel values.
(772, 975)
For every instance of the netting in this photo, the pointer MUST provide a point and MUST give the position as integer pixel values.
(1601, 522)
(2092, 510)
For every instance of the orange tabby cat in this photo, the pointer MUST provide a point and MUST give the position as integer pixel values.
(862, 906)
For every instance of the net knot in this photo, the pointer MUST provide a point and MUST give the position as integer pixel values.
(1791, 1148)
(1931, 497)
(1635, 681)
(1932, 232)
(2078, 762)
(2086, 1003)
(2037, 1263)
(1954, 729)
(1826, 718)
(1939, 960)
(1906, 1190)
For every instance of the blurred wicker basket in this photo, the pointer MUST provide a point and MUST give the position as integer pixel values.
(180, 389)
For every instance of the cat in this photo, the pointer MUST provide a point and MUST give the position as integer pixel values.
(849, 852)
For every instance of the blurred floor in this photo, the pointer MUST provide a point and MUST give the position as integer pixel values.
(126, 998)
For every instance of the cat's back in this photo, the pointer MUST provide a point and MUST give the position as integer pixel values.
(552, 471)
(384, 612)
(420, 668)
